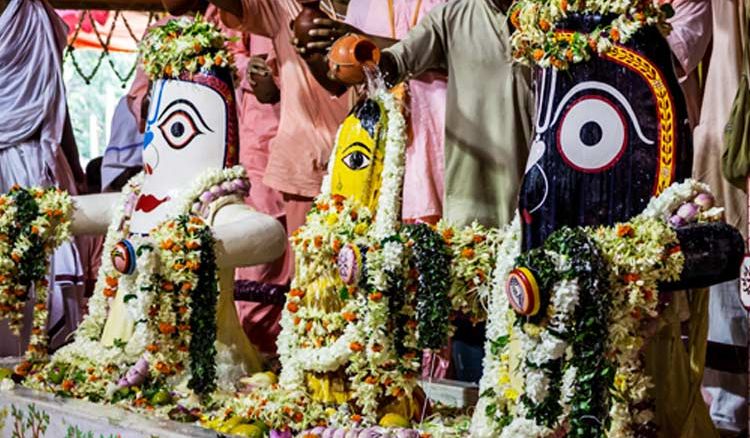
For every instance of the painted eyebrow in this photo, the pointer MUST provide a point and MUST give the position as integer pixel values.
(358, 144)
(188, 103)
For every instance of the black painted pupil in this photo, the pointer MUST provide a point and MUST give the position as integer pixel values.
(177, 129)
(591, 133)
(356, 159)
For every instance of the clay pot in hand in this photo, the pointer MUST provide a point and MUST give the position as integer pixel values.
(350, 55)
(303, 23)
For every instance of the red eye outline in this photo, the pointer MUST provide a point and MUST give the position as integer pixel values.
(194, 131)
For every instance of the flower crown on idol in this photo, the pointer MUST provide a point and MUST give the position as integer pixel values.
(184, 45)
(539, 38)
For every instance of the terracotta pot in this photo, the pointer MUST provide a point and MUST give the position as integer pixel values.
(304, 20)
(181, 7)
(350, 55)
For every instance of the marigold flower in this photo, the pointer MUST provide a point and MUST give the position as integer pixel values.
(538, 54)
(631, 278)
(624, 230)
(467, 253)
(166, 328)
(349, 316)
(614, 33)
(292, 307)
(376, 296)
(356, 418)
(318, 241)
(218, 59)
(68, 384)
(152, 348)
(356, 346)
(544, 25)
(111, 281)
(297, 293)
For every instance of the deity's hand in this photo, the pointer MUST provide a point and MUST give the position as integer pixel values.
(260, 78)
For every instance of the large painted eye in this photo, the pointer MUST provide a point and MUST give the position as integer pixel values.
(179, 129)
(592, 135)
(356, 159)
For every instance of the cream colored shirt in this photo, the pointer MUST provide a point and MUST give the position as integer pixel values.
(489, 106)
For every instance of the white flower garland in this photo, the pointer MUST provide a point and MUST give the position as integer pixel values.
(106, 364)
(497, 395)
(636, 269)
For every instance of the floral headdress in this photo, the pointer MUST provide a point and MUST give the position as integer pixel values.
(537, 40)
(184, 46)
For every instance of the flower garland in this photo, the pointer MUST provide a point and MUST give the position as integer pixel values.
(33, 222)
(327, 324)
(564, 368)
(171, 299)
(472, 252)
(432, 262)
(498, 395)
(600, 280)
(537, 41)
(184, 45)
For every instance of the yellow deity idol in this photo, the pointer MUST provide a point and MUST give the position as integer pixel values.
(360, 148)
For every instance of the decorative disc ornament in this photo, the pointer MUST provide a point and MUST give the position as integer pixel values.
(123, 257)
(349, 262)
(523, 292)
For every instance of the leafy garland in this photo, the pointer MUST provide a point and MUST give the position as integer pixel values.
(171, 298)
(537, 41)
(565, 372)
(33, 222)
(184, 45)
(432, 262)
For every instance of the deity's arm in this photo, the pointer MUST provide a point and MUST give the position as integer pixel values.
(245, 237)
(93, 213)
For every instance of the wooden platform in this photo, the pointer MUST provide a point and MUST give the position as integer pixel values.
(29, 414)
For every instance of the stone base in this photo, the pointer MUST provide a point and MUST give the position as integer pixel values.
(29, 414)
(451, 392)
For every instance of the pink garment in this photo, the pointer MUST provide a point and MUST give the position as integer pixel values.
(424, 180)
(310, 116)
(689, 40)
(258, 126)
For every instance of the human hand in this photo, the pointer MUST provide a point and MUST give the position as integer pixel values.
(321, 36)
(260, 78)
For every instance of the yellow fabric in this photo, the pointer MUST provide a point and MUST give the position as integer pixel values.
(677, 372)
(119, 326)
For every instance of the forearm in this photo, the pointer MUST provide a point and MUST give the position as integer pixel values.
(245, 237)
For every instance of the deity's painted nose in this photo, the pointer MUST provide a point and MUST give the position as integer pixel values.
(150, 159)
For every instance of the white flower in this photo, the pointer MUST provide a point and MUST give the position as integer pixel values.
(537, 383)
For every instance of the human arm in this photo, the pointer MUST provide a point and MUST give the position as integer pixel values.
(324, 33)
(245, 237)
(691, 34)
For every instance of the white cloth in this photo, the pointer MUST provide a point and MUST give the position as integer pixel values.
(125, 148)
(32, 120)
